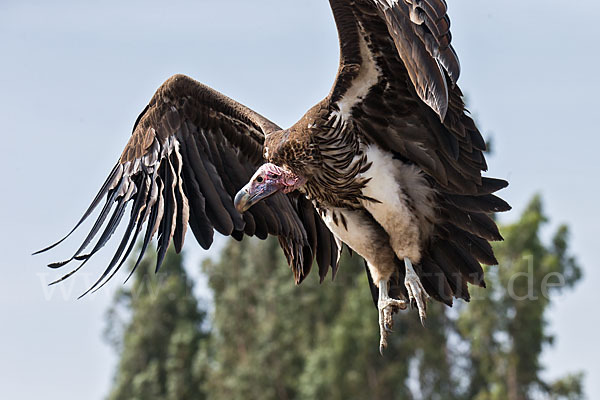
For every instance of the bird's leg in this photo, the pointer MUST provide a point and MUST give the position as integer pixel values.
(416, 292)
(386, 305)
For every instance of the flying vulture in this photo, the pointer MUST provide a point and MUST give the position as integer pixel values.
(389, 163)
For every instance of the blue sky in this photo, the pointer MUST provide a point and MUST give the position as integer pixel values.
(74, 75)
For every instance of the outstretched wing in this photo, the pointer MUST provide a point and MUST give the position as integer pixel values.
(191, 150)
(396, 85)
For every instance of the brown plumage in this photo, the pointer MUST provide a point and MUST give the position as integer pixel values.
(394, 117)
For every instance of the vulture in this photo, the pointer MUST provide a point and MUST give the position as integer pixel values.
(389, 163)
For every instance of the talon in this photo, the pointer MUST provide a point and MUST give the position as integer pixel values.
(417, 294)
(386, 306)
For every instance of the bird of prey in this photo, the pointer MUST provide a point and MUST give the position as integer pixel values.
(389, 164)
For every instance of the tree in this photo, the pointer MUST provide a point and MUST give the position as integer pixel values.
(258, 331)
(161, 345)
(274, 340)
(506, 325)
(270, 339)
(320, 341)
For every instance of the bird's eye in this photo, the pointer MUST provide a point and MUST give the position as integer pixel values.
(259, 179)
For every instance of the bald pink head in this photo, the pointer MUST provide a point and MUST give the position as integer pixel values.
(267, 180)
(287, 179)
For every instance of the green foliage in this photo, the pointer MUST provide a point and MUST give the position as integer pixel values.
(163, 339)
(567, 388)
(505, 324)
(255, 324)
(270, 339)
(274, 340)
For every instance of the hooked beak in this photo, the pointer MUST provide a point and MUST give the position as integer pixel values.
(249, 195)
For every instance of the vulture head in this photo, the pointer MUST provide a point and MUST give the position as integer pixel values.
(268, 180)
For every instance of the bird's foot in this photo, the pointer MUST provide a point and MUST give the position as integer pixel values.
(386, 306)
(416, 293)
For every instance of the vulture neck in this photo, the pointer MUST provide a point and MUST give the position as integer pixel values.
(321, 148)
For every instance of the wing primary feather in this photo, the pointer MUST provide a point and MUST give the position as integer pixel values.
(307, 261)
(103, 190)
(112, 224)
(147, 237)
(183, 209)
(308, 220)
(437, 281)
(491, 185)
(95, 228)
(485, 203)
(117, 214)
(211, 162)
(135, 210)
(324, 250)
(336, 252)
(261, 219)
(250, 225)
(264, 208)
(221, 152)
(140, 223)
(181, 220)
(445, 257)
(114, 260)
(453, 276)
(283, 224)
(69, 274)
(470, 268)
(473, 244)
(169, 215)
(479, 224)
(201, 225)
(218, 215)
